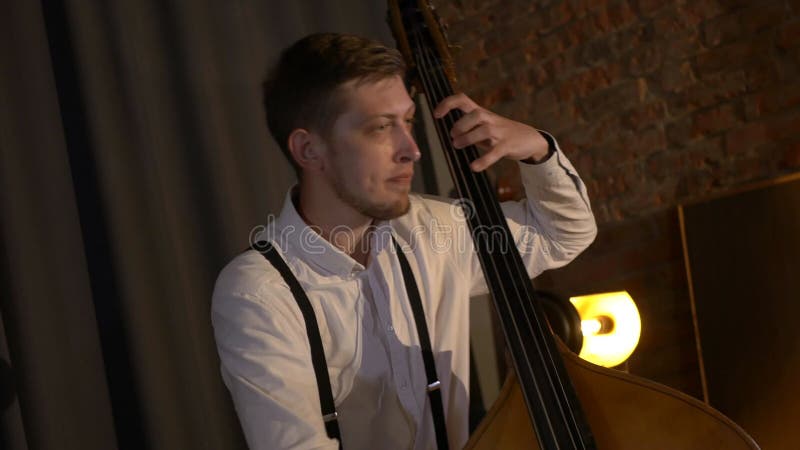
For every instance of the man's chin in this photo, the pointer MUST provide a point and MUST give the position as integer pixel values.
(390, 211)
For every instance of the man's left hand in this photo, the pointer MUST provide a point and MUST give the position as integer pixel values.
(497, 136)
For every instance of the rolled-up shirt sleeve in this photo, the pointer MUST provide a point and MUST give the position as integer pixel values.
(266, 365)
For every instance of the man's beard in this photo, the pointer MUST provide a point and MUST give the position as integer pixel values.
(377, 211)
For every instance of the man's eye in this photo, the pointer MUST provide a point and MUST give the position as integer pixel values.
(411, 121)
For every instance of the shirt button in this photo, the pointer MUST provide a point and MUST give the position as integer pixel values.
(404, 385)
(390, 329)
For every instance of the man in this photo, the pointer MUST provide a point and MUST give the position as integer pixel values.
(338, 107)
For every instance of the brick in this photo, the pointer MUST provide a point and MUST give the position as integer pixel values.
(733, 5)
(621, 96)
(601, 21)
(647, 8)
(521, 32)
(537, 76)
(700, 10)
(789, 65)
(451, 11)
(598, 130)
(555, 16)
(763, 16)
(546, 98)
(695, 184)
(513, 62)
(716, 89)
(760, 73)
(584, 163)
(584, 29)
(468, 25)
(746, 138)
(496, 44)
(791, 157)
(678, 76)
(784, 126)
(773, 99)
(722, 30)
(609, 186)
(724, 57)
(672, 23)
(560, 118)
(714, 120)
(500, 94)
(680, 47)
(631, 38)
(534, 53)
(645, 115)
(743, 170)
(549, 46)
(789, 35)
(621, 14)
(479, 71)
(663, 164)
(595, 51)
(641, 202)
(468, 53)
(647, 142)
(588, 81)
(645, 61)
(704, 155)
(581, 8)
(679, 132)
(558, 66)
(472, 6)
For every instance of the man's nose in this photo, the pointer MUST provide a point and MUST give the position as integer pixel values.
(407, 150)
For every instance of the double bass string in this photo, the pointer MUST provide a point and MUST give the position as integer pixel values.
(456, 166)
(483, 187)
(461, 159)
(481, 184)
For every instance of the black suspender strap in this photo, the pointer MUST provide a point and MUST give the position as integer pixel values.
(434, 386)
(329, 414)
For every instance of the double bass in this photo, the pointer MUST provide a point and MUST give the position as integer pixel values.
(553, 399)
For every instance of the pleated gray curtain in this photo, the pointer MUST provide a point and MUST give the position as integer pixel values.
(134, 162)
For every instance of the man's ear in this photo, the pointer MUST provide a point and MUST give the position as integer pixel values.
(306, 149)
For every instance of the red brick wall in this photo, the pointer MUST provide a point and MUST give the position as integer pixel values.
(657, 103)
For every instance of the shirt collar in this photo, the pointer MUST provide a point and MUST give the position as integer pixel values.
(290, 231)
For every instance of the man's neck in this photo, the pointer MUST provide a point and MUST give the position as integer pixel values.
(337, 222)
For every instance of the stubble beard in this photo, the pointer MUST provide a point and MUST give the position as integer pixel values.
(367, 207)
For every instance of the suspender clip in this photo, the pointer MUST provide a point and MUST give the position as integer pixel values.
(328, 417)
(434, 386)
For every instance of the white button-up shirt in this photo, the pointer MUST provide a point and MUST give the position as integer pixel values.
(366, 323)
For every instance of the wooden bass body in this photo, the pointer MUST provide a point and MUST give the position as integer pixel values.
(625, 413)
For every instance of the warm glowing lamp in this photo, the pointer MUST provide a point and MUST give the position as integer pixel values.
(611, 327)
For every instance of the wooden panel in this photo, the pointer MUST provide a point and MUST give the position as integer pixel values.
(744, 258)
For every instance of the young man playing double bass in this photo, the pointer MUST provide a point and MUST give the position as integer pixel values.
(338, 107)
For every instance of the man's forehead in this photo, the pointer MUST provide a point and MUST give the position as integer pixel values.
(377, 97)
